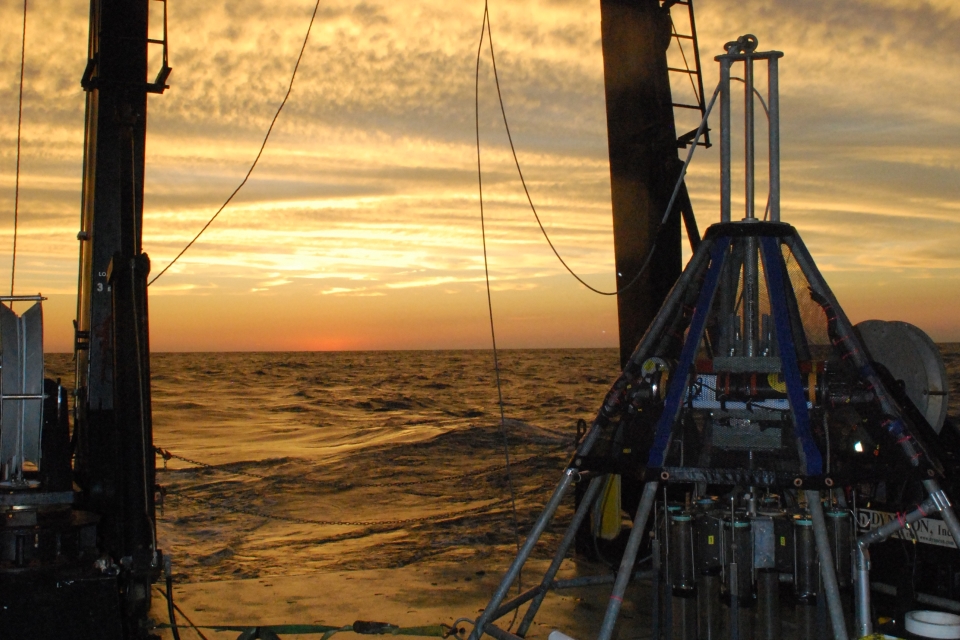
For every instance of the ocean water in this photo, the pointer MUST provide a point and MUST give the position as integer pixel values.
(358, 460)
(290, 463)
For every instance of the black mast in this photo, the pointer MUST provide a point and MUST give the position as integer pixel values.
(644, 166)
(115, 465)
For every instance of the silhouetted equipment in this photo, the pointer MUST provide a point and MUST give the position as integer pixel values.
(753, 404)
(49, 584)
(79, 550)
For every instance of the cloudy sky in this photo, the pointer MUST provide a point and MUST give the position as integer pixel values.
(360, 227)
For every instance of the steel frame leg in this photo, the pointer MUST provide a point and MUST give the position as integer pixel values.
(945, 507)
(629, 558)
(525, 550)
(827, 570)
(881, 533)
(569, 537)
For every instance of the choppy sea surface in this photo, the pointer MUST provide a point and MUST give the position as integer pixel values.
(289, 463)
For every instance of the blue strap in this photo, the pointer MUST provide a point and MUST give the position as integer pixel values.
(811, 461)
(678, 378)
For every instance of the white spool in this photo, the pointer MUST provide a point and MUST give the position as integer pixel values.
(933, 624)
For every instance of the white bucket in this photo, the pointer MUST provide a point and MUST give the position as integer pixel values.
(933, 624)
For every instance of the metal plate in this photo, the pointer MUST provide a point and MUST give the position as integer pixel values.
(21, 420)
(911, 356)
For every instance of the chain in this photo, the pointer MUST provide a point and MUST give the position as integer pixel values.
(167, 455)
(499, 467)
(344, 523)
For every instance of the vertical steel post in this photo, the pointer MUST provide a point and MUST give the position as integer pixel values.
(864, 617)
(751, 297)
(827, 571)
(734, 598)
(725, 180)
(749, 135)
(629, 557)
(773, 106)
(656, 608)
(751, 275)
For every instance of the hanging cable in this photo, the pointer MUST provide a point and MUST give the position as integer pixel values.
(666, 215)
(485, 26)
(766, 110)
(16, 188)
(259, 153)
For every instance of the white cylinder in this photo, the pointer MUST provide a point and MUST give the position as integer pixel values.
(559, 635)
(933, 624)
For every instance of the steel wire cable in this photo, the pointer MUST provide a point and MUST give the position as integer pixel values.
(526, 191)
(263, 145)
(485, 28)
(16, 189)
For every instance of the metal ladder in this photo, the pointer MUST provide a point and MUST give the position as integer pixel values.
(694, 75)
(159, 85)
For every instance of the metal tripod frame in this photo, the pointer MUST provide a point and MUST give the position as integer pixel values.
(915, 453)
(713, 248)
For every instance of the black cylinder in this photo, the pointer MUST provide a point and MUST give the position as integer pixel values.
(682, 576)
(709, 557)
(768, 605)
(783, 545)
(684, 617)
(55, 471)
(807, 624)
(840, 532)
(708, 606)
(806, 578)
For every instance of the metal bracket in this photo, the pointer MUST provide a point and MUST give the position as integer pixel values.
(159, 85)
(89, 80)
(940, 499)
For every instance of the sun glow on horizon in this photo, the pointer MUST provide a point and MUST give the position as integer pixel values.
(360, 226)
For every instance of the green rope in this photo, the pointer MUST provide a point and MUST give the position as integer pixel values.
(272, 632)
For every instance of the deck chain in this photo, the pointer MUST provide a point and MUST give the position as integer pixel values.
(167, 455)
(341, 523)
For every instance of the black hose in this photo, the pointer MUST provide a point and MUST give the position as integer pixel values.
(170, 606)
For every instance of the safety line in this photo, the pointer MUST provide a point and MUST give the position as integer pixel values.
(259, 153)
(485, 26)
(16, 189)
(533, 208)
(181, 612)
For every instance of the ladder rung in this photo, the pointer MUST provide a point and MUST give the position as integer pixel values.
(692, 72)
(155, 41)
(688, 106)
(682, 35)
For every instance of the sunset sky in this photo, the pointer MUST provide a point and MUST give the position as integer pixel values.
(360, 227)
